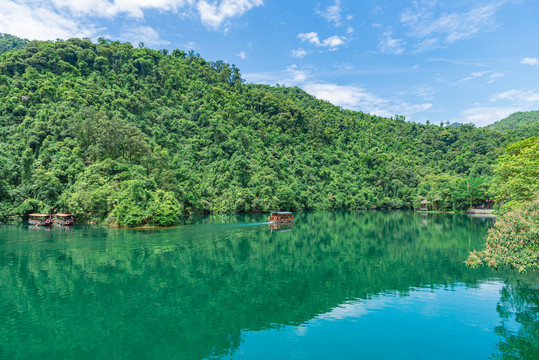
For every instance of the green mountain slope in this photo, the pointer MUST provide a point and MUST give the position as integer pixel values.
(520, 123)
(9, 42)
(130, 136)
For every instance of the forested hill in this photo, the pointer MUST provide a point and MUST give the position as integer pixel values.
(522, 123)
(9, 42)
(133, 136)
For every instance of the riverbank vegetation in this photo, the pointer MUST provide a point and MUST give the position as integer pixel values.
(130, 136)
(514, 240)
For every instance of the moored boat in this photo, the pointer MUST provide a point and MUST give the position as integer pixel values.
(40, 219)
(281, 217)
(64, 219)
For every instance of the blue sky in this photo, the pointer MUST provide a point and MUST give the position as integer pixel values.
(456, 61)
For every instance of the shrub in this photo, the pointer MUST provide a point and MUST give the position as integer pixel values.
(512, 242)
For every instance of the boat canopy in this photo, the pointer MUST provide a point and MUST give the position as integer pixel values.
(39, 215)
(281, 213)
(63, 215)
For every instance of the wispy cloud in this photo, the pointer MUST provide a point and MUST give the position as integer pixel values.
(296, 76)
(51, 19)
(389, 45)
(299, 53)
(332, 43)
(332, 13)
(215, 13)
(356, 98)
(530, 61)
(486, 115)
(38, 20)
(501, 105)
(145, 34)
(488, 76)
(518, 97)
(242, 55)
(346, 96)
(111, 8)
(433, 30)
(426, 92)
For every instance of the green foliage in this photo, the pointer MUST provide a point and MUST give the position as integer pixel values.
(513, 242)
(518, 304)
(517, 172)
(520, 123)
(81, 123)
(10, 43)
(138, 202)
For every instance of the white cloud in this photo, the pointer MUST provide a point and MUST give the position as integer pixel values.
(426, 45)
(332, 13)
(388, 45)
(501, 105)
(356, 98)
(299, 53)
(40, 21)
(425, 92)
(488, 76)
(145, 34)
(297, 76)
(52, 19)
(530, 61)
(346, 96)
(332, 42)
(215, 13)
(111, 8)
(486, 115)
(242, 55)
(494, 76)
(190, 45)
(344, 66)
(520, 97)
(437, 31)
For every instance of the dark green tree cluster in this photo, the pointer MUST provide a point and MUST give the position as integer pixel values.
(9, 42)
(132, 136)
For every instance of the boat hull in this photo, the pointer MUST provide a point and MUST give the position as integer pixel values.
(40, 222)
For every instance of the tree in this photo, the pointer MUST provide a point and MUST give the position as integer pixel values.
(517, 173)
(512, 242)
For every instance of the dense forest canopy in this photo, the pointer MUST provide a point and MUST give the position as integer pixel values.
(9, 42)
(131, 136)
(525, 123)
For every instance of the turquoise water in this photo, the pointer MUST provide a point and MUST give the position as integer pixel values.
(338, 285)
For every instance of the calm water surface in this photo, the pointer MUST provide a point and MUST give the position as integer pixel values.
(338, 285)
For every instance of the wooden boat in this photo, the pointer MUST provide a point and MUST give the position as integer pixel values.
(64, 219)
(281, 217)
(40, 219)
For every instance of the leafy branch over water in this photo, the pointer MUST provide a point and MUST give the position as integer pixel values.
(514, 240)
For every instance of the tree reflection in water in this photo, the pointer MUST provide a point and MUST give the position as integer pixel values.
(190, 292)
(519, 312)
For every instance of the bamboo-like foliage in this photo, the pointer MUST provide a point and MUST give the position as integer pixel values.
(82, 125)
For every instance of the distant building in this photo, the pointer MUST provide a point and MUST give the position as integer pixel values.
(424, 205)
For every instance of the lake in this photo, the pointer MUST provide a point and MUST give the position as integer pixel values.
(338, 285)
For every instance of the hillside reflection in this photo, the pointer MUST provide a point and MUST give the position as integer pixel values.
(189, 292)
